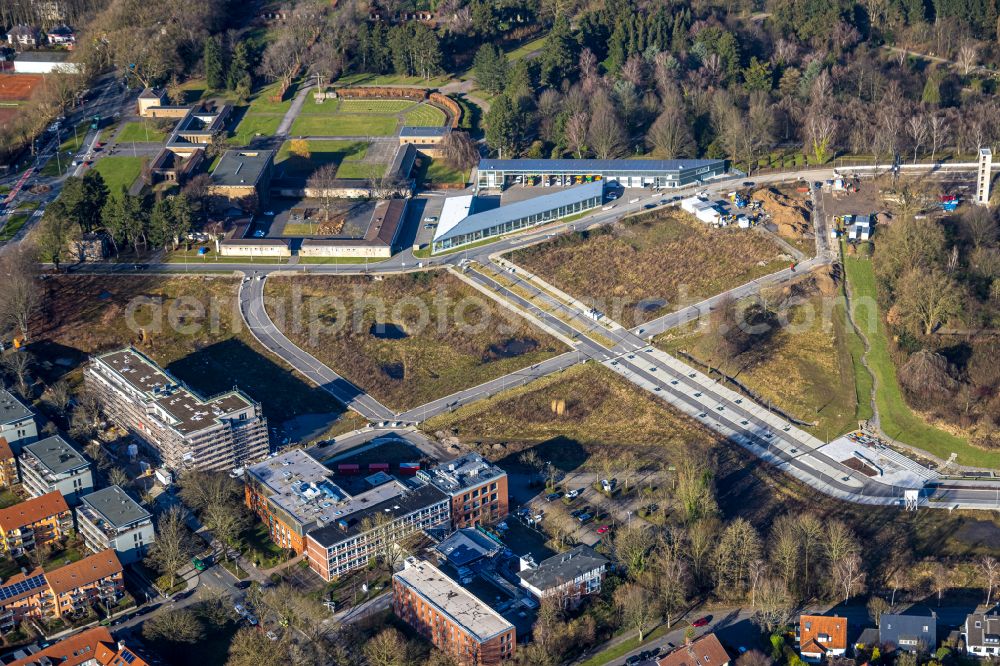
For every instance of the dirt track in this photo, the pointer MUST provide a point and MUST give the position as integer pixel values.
(18, 87)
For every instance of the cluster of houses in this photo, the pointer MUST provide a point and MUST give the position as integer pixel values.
(23, 37)
(54, 484)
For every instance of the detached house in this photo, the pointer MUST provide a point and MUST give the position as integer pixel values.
(822, 636)
(24, 36)
(705, 651)
(913, 633)
(61, 35)
(982, 634)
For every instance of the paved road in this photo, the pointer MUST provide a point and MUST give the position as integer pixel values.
(268, 335)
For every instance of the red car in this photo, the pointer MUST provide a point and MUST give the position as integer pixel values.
(700, 622)
(603, 529)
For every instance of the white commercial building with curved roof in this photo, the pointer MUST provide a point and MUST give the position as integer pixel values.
(461, 225)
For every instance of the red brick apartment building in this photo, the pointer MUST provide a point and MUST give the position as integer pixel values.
(451, 617)
(477, 488)
(63, 591)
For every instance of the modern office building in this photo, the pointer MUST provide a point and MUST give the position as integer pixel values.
(629, 173)
(371, 522)
(109, 518)
(181, 428)
(451, 617)
(292, 493)
(8, 465)
(53, 465)
(34, 522)
(17, 421)
(63, 591)
(453, 231)
(476, 488)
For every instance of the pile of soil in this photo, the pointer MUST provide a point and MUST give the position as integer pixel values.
(788, 215)
(330, 227)
(827, 279)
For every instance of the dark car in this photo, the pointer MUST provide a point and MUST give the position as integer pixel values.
(584, 518)
(633, 660)
(748, 183)
(552, 497)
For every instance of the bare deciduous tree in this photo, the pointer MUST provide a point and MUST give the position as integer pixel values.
(989, 569)
(916, 128)
(637, 606)
(576, 132)
(605, 133)
(939, 130)
(21, 296)
(968, 57)
(322, 184)
(849, 574)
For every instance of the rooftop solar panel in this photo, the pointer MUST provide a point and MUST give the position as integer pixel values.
(20, 587)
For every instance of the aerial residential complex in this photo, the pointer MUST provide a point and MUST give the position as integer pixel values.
(109, 518)
(451, 617)
(68, 589)
(568, 576)
(17, 421)
(341, 521)
(92, 647)
(183, 429)
(629, 173)
(52, 465)
(34, 522)
(461, 224)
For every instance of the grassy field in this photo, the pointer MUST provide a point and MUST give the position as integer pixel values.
(193, 327)
(141, 132)
(424, 115)
(375, 106)
(896, 418)
(260, 101)
(339, 124)
(327, 108)
(13, 225)
(602, 411)
(321, 150)
(805, 369)
(651, 264)
(252, 125)
(407, 339)
(353, 169)
(67, 149)
(436, 171)
(119, 172)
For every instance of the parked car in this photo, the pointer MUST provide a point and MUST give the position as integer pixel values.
(573, 494)
(748, 183)
(430, 218)
(259, 233)
(551, 497)
(603, 529)
(701, 622)
(584, 518)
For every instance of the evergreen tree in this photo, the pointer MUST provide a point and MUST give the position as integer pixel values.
(504, 127)
(490, 67)
(559, 55)
(240, 66)
(215, 65)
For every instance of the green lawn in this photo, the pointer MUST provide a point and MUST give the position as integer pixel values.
(344, 125)
(252, 125)
(897, 420)
(318, 148)
(361, 170)
(525, 49)
(391, 80)
(141, 132)
(119, 171)
(8, 498)
(260, 101)
(626, 646)
(436, 171)
(191, 256)
(339, 260)
(377, 106)
(327, 108)
(14, 224)
(424, 115)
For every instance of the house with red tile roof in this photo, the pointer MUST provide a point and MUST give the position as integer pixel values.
(822, 636)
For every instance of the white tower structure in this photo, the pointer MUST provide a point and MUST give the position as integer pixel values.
(983, 181)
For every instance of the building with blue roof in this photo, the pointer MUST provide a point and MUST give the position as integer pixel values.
(493, 174)
(453, 232)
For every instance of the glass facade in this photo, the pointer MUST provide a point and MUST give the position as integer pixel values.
(519, 223)
(495, 178)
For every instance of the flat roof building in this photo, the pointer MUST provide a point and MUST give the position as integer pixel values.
(242, 173)
(293, 493)
(109, 518)
(45, 62)
(451, 617)
(516, 216)
(477, 489)
(466, 546)
(372, 522)
(183, 429)
(53, 465)
(629, 173)
(17, 421)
